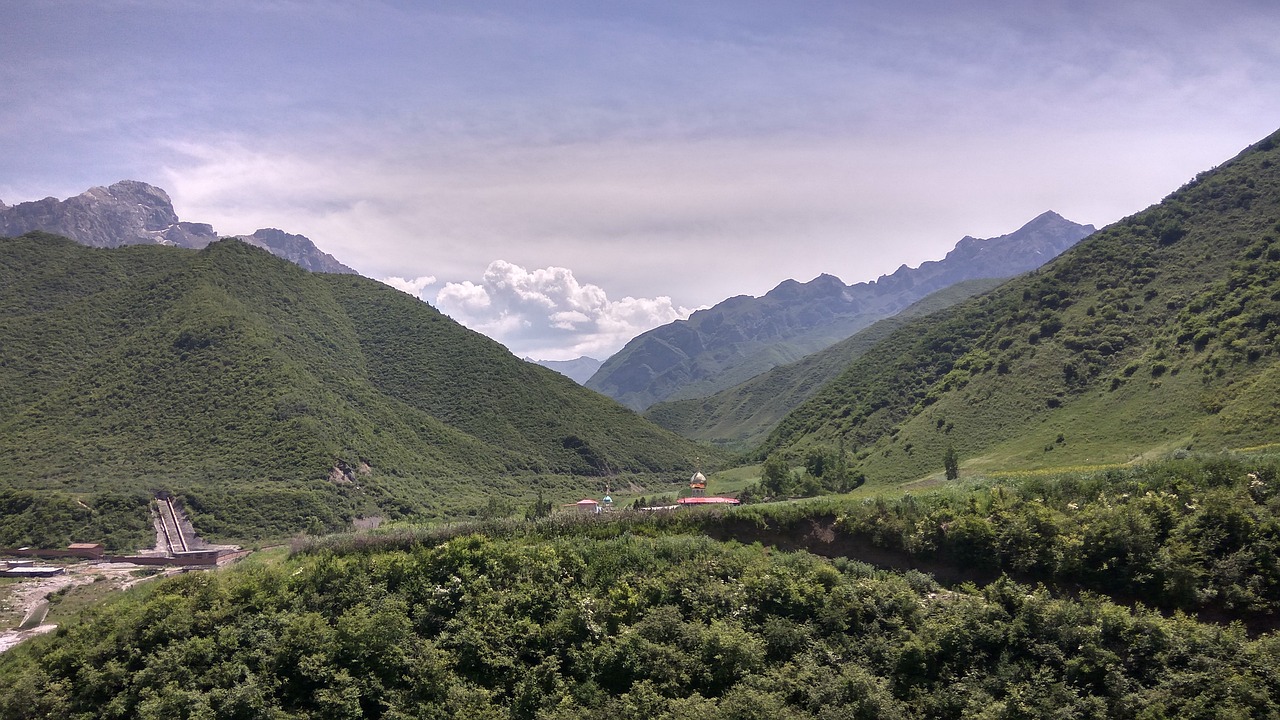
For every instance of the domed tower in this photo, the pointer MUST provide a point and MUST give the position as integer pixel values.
(698, 484)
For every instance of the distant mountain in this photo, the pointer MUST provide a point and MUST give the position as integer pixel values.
(578, 370)
(135, 213)
(1158, 334)
(264, 395)
(297, 249)
(744, 336)
(742, 416)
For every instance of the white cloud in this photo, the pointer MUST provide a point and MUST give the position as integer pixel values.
(548, 314)
(413, 286)
(465, 298)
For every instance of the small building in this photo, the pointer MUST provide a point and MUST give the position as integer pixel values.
(93, 551)
(698, 484)
(709, 501)
(27, 569)
(586, 505)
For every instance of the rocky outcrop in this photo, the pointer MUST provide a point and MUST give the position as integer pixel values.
(126, 213)
(135, 213)
(297, 249)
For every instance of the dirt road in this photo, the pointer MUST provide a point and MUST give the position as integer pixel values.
(30, 597)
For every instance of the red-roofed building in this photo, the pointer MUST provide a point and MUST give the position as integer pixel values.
(709, 501)
(586, 505)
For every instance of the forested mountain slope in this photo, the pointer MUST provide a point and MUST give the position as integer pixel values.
(744, 415)
(1156, 333)
(267, 395)
(744, 336)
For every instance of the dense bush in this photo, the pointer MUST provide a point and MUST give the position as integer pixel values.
(624, 627)
(1184, 534)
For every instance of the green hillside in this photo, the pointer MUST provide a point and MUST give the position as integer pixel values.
(1156, 333)
(744, 415)
(271, 398)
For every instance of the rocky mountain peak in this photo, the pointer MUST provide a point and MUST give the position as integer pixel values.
(297, 249)
(126, 213)
(131, 212)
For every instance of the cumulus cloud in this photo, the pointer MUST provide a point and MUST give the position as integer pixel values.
(413, 286)
(548, 314)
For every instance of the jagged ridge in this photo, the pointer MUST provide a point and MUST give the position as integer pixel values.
(744, 336)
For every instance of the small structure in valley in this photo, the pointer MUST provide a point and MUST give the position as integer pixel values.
(586, 505)
(27, 569)
(709, 501)
(698, 484)
(698, 493)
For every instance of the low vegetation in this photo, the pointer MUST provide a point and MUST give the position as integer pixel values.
(1195, 534)
(578, 617)
(51, 518)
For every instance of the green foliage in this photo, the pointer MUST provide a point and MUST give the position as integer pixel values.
(273, 400)
(622, 627)
(775, 475)
(951, 463)
(1188, 534)
(54, 519)
(541, 508)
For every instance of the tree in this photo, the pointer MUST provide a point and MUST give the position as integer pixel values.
(541, 508)
(951, 463)
(818, 462)
(775, 477)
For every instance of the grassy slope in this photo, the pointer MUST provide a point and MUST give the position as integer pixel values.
(474, 384)
(242, 381)
(744, 415)
(1157, 332)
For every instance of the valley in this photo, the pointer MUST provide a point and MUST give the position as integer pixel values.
(1057, 493)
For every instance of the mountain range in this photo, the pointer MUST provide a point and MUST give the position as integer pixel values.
(743, 336)
(579, 369)
(1157, 334)
(270, 398)
(742, 416)
(135, 213)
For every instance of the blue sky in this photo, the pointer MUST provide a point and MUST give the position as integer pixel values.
(563, 175)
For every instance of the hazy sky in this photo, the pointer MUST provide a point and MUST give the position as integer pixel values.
(563, 175)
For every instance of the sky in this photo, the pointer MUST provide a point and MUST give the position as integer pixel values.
(563, 175)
